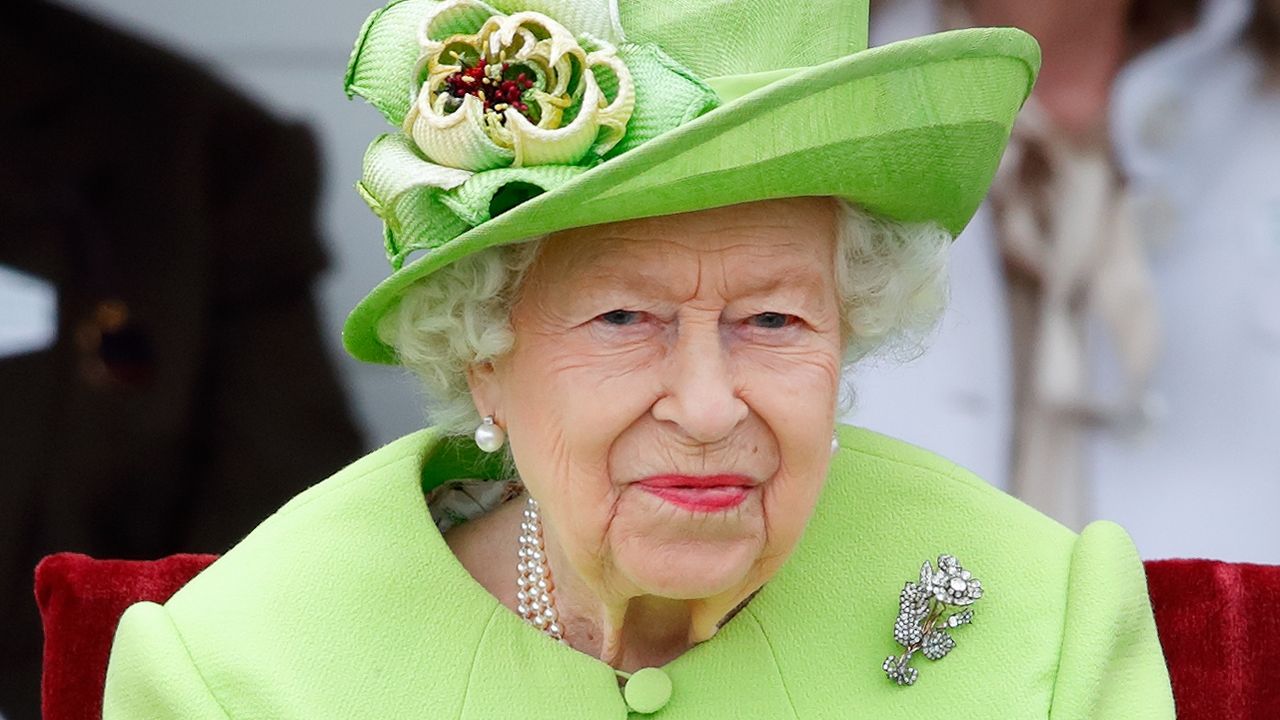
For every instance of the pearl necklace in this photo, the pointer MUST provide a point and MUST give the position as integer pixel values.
(533, 597)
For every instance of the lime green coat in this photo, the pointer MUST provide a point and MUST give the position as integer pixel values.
(347, 604)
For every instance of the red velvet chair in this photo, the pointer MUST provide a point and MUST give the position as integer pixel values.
(1219, 624)
(81, 600)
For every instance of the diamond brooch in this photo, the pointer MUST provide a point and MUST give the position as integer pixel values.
(925, 615)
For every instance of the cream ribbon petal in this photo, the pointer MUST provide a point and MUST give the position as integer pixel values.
(562, 41)
(613, 117)
(551, 108)
(457, 140)
(566, 145)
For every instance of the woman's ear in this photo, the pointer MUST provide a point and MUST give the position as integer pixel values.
(482, 379)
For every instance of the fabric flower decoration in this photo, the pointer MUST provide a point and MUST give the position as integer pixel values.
(493, 108)
(516, 90)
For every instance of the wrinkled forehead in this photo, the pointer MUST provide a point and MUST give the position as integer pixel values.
(767, 243)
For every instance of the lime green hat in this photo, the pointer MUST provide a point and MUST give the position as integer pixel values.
(516, 118)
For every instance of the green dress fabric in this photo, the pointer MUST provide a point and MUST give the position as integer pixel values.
(347, 603)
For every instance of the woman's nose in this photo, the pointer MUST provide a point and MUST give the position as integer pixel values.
(700, 396)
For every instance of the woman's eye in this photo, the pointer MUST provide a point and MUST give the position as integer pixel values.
(621, 317)
(771, 320)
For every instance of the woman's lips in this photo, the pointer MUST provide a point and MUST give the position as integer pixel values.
(703, 493)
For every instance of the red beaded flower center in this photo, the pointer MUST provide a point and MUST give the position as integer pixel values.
(490, 84)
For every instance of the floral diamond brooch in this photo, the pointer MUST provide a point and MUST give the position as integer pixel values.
(926, 615)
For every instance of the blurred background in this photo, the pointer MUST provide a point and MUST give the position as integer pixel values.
(181, 241)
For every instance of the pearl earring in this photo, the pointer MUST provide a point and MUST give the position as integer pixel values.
(489, 437)
(835, 443)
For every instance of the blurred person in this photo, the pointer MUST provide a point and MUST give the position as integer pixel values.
(1264, 31)
(163, 377)
(1136, 219)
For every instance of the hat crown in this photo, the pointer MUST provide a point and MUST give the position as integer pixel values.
(716, 38)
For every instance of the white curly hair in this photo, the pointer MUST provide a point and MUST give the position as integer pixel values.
(891, 279)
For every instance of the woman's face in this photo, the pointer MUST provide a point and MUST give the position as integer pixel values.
(670, 395)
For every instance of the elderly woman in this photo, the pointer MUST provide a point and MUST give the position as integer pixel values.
(655, 235)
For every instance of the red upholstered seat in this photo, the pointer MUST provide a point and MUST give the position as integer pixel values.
(1219, 624)
(81, 600)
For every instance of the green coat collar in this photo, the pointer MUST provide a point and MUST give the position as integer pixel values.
(347, 603)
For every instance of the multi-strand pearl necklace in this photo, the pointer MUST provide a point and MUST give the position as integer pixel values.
(533, 597)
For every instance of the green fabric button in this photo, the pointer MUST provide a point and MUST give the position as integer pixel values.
(647, 690)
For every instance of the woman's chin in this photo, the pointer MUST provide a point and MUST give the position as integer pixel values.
(691, 571)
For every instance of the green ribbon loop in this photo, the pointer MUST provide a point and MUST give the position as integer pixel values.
(424, 205)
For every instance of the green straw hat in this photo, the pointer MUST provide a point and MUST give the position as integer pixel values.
(518, 118)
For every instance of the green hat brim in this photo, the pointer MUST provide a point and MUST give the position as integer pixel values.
(912, 131)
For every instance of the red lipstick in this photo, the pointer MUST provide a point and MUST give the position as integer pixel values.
(700, 493)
